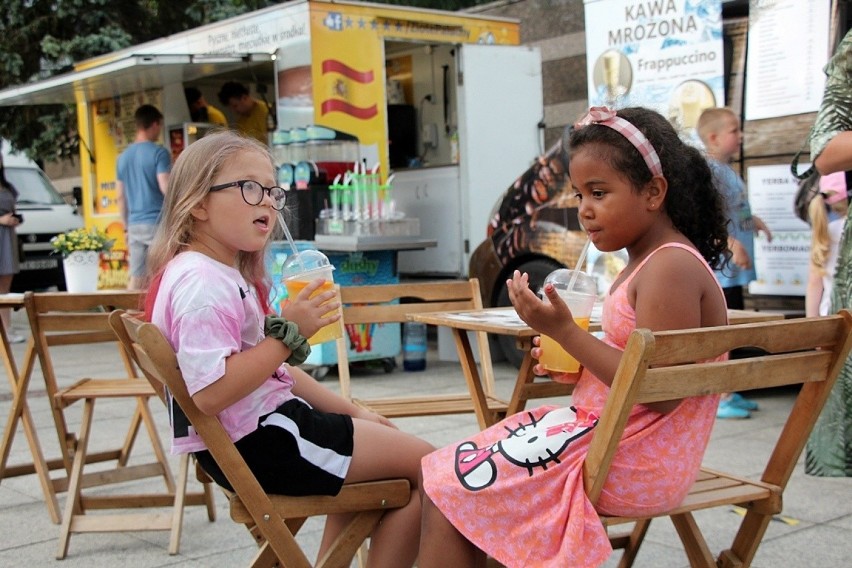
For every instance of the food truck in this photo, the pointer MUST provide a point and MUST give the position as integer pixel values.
(447, 103)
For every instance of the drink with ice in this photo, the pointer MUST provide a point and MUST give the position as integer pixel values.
(580, 298)
(302, 268)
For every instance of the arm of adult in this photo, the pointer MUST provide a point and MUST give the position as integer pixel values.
(9, 220)
(813, 293)
(163, 182)
(831, 137)
(837, 154)
(121, 201)
(164, 165)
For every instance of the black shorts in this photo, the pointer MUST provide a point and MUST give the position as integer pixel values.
(295, 450)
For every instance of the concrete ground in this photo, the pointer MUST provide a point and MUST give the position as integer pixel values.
(815, 528)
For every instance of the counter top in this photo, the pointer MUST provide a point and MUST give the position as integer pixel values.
(353, 243)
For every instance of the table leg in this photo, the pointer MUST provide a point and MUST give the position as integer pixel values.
(525, 377)
(20, 411)
(526, 388)
(471, 374)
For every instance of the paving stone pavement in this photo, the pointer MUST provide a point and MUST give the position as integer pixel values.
(814, 530)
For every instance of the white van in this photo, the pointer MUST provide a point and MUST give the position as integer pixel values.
(46, 214)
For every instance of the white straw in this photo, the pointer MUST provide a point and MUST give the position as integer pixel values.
(290, 240)
(580, 260)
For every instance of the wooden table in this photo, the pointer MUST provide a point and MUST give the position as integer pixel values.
(20, 412)
(504, 321)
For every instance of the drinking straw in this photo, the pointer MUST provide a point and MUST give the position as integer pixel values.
(580, 260)
(290, 240)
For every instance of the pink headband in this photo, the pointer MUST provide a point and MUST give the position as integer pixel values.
(607, 117)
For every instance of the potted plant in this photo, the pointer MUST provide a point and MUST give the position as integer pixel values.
(81, 252)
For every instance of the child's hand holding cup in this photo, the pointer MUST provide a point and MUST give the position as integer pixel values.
(579, 291)
(302, 268)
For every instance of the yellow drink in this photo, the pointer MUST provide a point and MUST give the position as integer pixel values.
(554, 358)
(329, 332)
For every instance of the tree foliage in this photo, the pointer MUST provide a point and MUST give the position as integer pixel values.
(41, 38)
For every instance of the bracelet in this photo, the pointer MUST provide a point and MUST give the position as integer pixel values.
(287, 332)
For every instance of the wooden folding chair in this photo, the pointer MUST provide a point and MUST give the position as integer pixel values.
(272, 519)
(181, 495)
(63, 319)
(366, 305)
(667, 365)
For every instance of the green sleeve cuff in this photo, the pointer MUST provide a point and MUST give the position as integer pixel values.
(287, 332)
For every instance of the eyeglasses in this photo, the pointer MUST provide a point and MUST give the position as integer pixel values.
(253, 192)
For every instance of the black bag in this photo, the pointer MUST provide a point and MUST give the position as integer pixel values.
(808, 188)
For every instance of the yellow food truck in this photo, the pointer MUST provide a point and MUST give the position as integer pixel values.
(440, 99)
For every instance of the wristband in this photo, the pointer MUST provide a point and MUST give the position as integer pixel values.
(287, 332)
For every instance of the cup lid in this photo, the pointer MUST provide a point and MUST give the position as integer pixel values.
(305, 261)
(562, 279)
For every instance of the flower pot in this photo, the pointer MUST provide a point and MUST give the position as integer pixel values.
(81, 271)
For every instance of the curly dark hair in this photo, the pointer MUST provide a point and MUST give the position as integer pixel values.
(692, 202)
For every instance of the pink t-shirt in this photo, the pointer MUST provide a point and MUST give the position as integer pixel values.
(208, 312)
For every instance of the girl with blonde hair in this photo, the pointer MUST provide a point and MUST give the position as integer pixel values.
(827, 215)
(210, 297)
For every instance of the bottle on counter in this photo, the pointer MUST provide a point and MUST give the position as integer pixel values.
(414, 346)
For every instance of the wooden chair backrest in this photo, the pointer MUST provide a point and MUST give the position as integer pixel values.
(123, 333)
(672, 365)
(157, 359)
(372, 304)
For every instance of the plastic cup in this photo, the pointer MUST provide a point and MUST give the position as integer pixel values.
(299, 270)
(580, 299)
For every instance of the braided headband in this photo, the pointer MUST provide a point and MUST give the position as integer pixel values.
(606, 117)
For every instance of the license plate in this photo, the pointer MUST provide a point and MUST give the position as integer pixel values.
(40, 264)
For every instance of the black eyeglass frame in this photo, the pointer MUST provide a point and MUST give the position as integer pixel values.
(267, 190)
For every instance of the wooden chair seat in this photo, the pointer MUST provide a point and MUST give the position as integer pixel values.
(272, 520)
(103, 388)
(715, 489)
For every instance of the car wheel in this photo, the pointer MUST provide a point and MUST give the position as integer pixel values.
(538, 270)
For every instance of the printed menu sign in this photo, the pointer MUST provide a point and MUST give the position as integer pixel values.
(787, 50)
(781, 265)
(662, 54)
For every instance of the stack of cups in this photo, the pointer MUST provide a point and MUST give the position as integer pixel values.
(302, 268)
(578, 290)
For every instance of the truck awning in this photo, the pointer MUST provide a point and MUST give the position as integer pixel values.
(130, 74)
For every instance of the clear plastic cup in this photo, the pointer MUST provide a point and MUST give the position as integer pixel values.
(580, 299)
(302, 268)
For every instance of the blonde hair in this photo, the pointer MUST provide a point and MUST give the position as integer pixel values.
(712, 120)
(820, 238)
(189, 183)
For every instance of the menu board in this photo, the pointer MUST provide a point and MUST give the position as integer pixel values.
(781, 265)
(664, 55)
(787, 50)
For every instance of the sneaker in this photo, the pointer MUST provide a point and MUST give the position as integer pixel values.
(740, 401)
(16, 338)
(727, 410)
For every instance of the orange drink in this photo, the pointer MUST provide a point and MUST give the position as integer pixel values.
(329, 332)
(554, 358)
(579, 292)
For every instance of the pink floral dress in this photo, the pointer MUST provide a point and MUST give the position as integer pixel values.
(516, 489)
